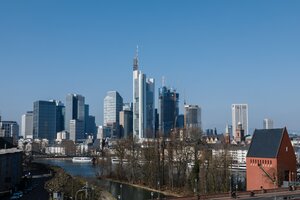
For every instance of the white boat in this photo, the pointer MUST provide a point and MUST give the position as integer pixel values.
(82, 159)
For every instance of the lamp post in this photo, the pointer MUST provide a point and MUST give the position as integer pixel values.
(152, 195)
(195, 189)
(158, 184)
(121, 189)
(84, 189)
(230, 185)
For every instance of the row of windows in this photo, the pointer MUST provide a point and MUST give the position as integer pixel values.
(259, 161)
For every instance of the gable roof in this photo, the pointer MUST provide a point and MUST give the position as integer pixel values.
(266, 143)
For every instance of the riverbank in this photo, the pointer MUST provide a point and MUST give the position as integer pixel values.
(62, 182)
(89, 172)
(163, 191)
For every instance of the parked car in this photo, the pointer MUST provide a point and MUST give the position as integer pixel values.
(19, 193)
(15, 196)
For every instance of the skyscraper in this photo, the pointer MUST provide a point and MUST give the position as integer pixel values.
(113, 104)
(27, 125)
(91, 126)
(76, 130)
(126, 123)
(60, 116)
(143, 103)
(192, 117)
(10, 129)
(239, 116)
(168, 109)
(75, 110)
(268, 124)
(86, 117)
(44, 120)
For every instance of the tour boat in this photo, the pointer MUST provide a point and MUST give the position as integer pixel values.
(82, 159)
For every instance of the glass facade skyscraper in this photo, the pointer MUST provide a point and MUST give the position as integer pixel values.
(168, 110)
(126, 123)
(60, 116)
(192, 116)
(143, 103)
(113, 104)
(44, 120)
(75, 110)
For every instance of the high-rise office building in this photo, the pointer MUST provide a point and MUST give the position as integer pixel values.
(91, 126)
(143, 103)
(168, 110)
(268, 124)
(27, 125)
(10, 129)
(127, 106)
(113, 104)
(239, 116)
(86, 117)
(44, 120)
(150, 108)
(126, 123)
(76, 130)
(192, 117)
(180, 121)
(60, 116)
(75, 110)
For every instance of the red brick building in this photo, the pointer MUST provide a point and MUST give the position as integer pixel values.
(270, 160)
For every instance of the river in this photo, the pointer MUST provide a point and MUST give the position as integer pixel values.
(87, 170)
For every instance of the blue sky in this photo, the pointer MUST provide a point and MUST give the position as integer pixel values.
(214, 53)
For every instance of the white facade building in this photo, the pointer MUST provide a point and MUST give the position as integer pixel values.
(143, 103)
(113, 104)
(268, 124)
(239, 115)
(27, 125)
(237, 154)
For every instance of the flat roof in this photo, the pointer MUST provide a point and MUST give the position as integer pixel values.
(11, 150)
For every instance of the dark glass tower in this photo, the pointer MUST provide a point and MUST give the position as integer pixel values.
(75, 109)
(44, 120)
(168, 110)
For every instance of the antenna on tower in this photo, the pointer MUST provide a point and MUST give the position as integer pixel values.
(137, 51)
(136, 59)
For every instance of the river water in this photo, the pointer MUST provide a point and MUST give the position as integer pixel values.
(87, 170)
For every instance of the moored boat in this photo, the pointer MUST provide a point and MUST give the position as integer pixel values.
(82, 159)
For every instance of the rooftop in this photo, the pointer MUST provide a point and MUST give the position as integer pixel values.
(265, 143)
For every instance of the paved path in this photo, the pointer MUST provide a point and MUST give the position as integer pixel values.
(267, 196)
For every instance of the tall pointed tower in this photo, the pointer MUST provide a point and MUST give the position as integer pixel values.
(143, 102)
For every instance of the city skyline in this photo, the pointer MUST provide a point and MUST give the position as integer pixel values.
(213, 53)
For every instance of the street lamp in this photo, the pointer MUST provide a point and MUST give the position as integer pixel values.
(236, 187)
(195, 189)
(230, 185)
(83, 189)
(121, 188)
(158, 184)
